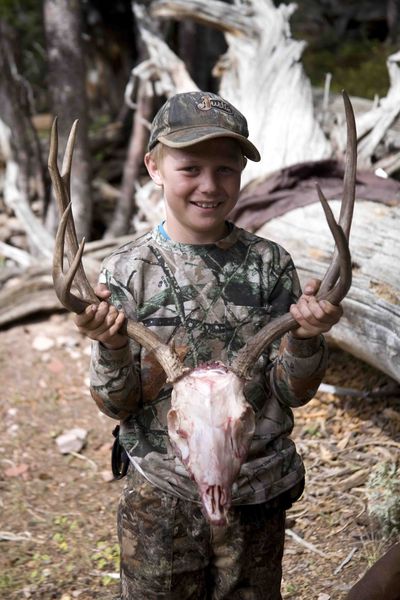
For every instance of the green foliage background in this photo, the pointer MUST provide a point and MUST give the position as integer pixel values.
(359, 66)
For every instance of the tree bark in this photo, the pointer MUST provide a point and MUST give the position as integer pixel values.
(62, 20)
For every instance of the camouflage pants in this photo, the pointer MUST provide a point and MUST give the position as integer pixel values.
(168, 550)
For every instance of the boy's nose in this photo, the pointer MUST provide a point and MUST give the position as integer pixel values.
(209, 183)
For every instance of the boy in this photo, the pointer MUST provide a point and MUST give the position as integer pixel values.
(209, 286)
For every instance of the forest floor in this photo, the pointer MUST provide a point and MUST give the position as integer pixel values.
(58, 511)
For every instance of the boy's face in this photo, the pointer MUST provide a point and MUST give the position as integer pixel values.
(201, 186)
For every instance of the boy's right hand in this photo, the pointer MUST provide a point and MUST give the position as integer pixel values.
(102, 322)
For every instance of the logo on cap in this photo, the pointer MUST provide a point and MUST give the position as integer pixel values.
(207, 103)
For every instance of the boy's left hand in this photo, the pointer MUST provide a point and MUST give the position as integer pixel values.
(313, 316)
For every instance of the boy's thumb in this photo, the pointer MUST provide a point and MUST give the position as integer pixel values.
(102, 291)
(311, 287)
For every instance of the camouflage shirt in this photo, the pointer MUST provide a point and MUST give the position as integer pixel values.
(210, 300)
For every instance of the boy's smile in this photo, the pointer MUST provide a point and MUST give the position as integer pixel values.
(201, 186)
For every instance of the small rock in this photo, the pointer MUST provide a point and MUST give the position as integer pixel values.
(72, 440)
(87, 351)
(55, 366)
(13, 429)
(107, 476)
(17, 471)
(324, 596)
(42, 343)
(105, 448)
(67, 341)
(74, 354)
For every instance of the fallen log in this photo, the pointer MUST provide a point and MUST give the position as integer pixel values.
(30, 291)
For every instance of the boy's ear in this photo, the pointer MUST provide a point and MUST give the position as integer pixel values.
(153, 169)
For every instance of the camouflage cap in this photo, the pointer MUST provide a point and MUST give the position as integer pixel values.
(192, 117)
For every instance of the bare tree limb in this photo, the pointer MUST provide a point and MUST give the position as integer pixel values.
(125, 208)
(15, 197)
(16, 254)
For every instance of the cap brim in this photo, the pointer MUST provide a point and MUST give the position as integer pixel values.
(194, 135)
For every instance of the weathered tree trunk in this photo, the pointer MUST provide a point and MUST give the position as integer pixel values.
(370, 327)
(373, 125)
(20, 148)
(66, 63)
(262, 75)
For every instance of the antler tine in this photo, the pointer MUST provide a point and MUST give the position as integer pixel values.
(67, 160)
(166, 356)
(339, 290)
(337, 280)
(62, 194)
(63, 282)
(349, 184)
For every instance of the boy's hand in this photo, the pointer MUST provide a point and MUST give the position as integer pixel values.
(313, 316)
(102, 322)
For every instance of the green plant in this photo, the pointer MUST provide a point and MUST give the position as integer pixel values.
(5, 581)
(106, 558)
(383, 493)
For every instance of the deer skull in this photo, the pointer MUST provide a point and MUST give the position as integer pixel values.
(211, 425)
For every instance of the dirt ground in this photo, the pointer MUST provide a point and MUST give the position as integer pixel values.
(58, 511)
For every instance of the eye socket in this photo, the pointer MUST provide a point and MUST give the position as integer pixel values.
(190, 169)
(226, 169)
(182, 434)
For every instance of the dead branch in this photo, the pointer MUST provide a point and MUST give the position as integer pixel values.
(262, 75)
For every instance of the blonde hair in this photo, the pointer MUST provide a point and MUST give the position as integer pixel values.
(157, 153)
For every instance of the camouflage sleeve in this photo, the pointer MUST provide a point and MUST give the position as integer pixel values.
(298, 365)
(115, 374)
(115, 381)
(298, 369)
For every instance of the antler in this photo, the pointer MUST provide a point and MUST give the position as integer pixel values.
(66, 232)
(337, 280)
